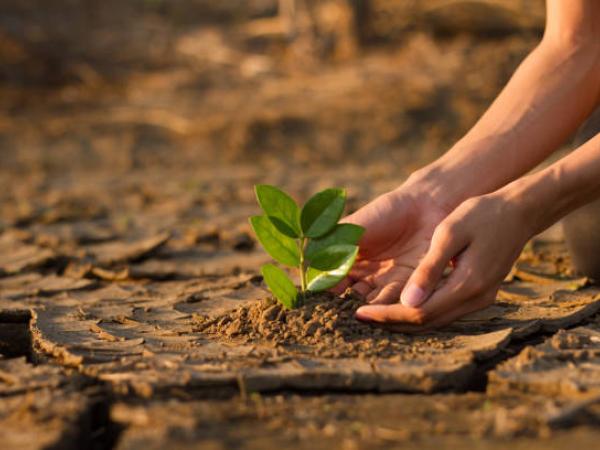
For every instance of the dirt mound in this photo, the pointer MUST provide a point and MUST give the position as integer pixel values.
(324, 326)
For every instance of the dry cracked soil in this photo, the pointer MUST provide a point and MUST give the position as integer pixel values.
(132, 313)
(159, 333)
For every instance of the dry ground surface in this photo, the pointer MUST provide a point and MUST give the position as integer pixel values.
(132, 313)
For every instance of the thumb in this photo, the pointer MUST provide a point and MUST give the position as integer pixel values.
(445, 244)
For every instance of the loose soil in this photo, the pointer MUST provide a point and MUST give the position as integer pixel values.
(323, 326)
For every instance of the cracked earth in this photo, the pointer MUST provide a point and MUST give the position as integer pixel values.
(132, 313)
(157, 331)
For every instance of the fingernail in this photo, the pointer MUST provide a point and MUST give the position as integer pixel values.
(361, 315)
(412, 296)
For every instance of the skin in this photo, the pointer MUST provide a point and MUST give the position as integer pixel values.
(473, 209)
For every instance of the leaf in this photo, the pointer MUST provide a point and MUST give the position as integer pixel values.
(281, 248)
(281, 209)
(343, 233)
(322, 212)
(280, 285)
(321, 280)
(332, 257)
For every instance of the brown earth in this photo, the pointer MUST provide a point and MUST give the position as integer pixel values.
(132, 313)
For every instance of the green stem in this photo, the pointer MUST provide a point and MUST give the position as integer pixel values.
(302, 267)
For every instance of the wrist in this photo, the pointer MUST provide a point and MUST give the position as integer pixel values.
(530, 198)
(444, 182)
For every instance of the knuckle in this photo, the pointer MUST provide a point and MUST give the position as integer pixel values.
(444, 232)
(471, 202)
(474, 202)
(470, 207)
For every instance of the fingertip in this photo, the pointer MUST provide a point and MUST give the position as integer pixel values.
(413, 295)
(371, 313)
(396, 313)
(362, 314)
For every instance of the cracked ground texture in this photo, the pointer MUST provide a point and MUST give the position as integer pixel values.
(132, 313)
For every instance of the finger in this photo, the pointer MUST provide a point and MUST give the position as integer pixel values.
(388, 313)
(450, 296)
(389, 294)
(393, 275)
(445, 244)
(362, 288)
(472, 305)
(464, 283)
(374, 293)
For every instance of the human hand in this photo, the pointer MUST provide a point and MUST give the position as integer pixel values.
(483, 236)
(399, 226)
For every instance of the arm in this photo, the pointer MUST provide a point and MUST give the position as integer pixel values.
(552, 193)
(446, 210)
(555, 88)
(488, 233)
(552, 92)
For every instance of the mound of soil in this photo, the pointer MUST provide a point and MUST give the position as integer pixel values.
(324, 326)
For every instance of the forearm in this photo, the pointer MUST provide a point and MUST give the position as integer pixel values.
(550, 194)
(549, 96)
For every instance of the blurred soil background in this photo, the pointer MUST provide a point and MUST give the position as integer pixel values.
(119, 86)
(107, 108)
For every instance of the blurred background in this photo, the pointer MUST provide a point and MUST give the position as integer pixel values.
(124, 84)
(129, 101)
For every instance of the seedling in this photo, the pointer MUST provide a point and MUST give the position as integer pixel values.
(309, 239)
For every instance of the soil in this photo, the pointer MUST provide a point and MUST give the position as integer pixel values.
(324, 325)
(350, 422)
(132, 312)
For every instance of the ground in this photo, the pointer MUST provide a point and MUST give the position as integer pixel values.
(132, 313)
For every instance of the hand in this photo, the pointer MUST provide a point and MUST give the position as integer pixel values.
(399, 226)
(483, 236)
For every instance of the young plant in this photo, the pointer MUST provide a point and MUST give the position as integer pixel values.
(309, 239)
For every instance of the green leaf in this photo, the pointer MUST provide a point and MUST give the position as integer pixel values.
(332, 257)
(319, 280)
(343, 233)
(322, 212)
(280, 285)
(281, 209)
(281, 248)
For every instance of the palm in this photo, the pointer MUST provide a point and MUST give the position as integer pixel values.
(399, 227)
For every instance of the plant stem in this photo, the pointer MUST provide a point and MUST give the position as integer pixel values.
(302, 269)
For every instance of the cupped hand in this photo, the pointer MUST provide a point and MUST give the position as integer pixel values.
(483, 237)
(399, 227)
